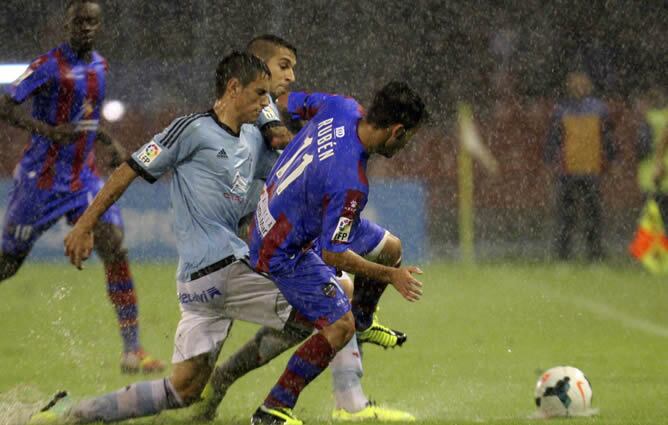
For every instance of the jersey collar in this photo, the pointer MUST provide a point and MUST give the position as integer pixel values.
(221, 124)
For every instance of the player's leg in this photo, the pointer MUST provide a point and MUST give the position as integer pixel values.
(199, 337)
(592, 218)
(120, 289)
(313, 290)
(254, 298)
(120, 285)
(140, 399)
(30, 212)
(376, 244)
(352, 404)
(566, 214)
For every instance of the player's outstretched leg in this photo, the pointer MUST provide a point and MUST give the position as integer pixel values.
(141, 399)
(267, 344)
(367, 294)
(310, 359)
(120, 288)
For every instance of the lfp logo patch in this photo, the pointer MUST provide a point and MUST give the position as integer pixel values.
(150, 152)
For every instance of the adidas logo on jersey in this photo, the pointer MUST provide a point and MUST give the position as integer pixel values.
(222, 154)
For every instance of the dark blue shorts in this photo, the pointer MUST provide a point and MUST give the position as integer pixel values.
(312, 289)
(32, 211)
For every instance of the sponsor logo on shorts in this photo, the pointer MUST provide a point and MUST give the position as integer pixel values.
(199, 297)
(150, 152)
(342, 232)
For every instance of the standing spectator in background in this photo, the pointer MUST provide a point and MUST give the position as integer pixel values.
(652, 151)
(579, 145)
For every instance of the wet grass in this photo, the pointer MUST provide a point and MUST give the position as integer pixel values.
(477, 342)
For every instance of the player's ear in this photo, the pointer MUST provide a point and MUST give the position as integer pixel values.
(398, 131)
(233, 87)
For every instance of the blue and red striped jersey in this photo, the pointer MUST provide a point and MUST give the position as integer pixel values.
(64, 89)
(317, 188)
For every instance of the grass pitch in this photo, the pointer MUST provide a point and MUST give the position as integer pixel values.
(477, 343)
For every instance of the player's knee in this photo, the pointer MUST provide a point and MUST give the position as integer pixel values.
(109, 243)
(391, 252)
(341, 331)
(189, 379)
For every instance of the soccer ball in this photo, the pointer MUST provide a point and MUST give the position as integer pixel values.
(563, 391)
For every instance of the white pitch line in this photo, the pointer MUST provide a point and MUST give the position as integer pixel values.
(607, 312)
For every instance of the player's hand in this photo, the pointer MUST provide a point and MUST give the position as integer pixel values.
(78, 246)
(404, 282)
(63, 134)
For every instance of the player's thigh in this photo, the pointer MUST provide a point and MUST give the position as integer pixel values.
(313, 290)
(201, 331)
(253, 297)
(30, 212)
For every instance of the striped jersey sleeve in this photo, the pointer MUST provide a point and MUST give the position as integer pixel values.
(166, 149)
(37, 75)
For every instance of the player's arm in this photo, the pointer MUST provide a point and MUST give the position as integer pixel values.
(274, 132)
(339, 229)
(401, 278)
(79, 241)
(35, 78)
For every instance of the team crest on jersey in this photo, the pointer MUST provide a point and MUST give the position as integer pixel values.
(150, 152)
(343, 229)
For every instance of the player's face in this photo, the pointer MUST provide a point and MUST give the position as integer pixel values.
(282, 66)
(252, 98)
(397, 140)
(82, 24)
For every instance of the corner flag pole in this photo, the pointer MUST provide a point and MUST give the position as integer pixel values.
(470, 147)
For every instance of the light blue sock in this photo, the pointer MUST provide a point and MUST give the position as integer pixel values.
(134, 401)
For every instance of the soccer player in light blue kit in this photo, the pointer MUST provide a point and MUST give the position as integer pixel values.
(373, 243)
(213, 157)
(316, 191)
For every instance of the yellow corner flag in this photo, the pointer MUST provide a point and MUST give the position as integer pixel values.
(650, 245)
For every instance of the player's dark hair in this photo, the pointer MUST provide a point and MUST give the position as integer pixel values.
(242, 66)
(396, 103)
(72, 3)
(264, 46)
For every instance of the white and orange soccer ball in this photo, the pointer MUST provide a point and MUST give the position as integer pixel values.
(563, 391)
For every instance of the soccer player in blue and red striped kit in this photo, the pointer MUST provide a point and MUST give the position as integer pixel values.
(56, 175)
(316, 192)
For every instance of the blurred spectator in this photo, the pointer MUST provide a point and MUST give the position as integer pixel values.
(652, 152)
(579, 145)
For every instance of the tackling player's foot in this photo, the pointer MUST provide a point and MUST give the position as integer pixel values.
(205, 410)
(54, 412)
(372, 412)
(274, 416)
(381, 335)
(140, 361)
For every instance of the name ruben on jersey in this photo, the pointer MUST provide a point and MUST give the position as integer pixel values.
(325, 143)
(150, 152)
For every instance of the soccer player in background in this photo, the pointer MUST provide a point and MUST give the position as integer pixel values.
(213, 157)
(316, 191)
(56, 176)
(373, 242)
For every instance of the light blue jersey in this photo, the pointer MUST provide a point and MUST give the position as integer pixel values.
(212, 172)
